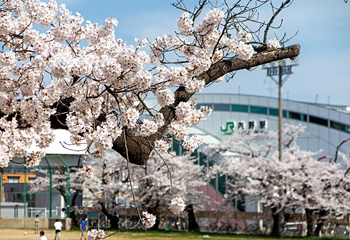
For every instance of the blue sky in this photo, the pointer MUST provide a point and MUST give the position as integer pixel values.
(324, 34)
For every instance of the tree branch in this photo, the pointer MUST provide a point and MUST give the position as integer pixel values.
(140, 147)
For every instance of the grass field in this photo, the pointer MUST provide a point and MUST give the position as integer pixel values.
(16, 234)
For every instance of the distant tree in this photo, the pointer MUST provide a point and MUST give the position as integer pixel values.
(251, 161)
(163, 178)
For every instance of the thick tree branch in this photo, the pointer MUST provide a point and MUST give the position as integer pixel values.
(141, 147)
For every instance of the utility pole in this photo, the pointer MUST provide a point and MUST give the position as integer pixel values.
(280, 115)
(280, 69)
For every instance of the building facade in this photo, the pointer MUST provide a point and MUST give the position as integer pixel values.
(326, 125)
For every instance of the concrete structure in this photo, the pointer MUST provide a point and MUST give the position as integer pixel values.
(45, 223)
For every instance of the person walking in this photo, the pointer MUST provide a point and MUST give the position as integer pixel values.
(58, 227)
(83, 228)
(36, 224)
(42, 237)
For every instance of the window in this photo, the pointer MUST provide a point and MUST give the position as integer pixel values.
(239, 108)
(259, 110)
(31, 179)
(274, 112)
(297, 116)
(303, 117)
(222, 107)
(340, 126)
(294, 115)
(13, 179)
(319, 121)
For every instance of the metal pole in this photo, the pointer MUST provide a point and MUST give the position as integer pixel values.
(67, 187)
(50, 191)
(25, 189)
(68, 192)
(280, 139)
(50, 213)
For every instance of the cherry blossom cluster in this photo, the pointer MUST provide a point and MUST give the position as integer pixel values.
(13, 141)
(186, 116)
(244, 36)
(161, 146)
(148, 219)
(177, 205)
(95, 234)
(185, 24)
(211, 20)
(87, 171)
(129, 117)
(192, 143)
(273, 44)
(33, 159)
(208, 46)
(149, 127)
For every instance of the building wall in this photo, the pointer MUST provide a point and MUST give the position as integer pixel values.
(325, 128)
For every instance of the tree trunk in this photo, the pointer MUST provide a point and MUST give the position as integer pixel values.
(155, 211)
(320, 222)
(309, 222)
(192, 223)
(277, 227)
(113, 219)
(72, 214)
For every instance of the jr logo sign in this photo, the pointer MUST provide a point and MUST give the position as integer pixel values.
(229, 129)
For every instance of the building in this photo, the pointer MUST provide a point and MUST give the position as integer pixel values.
(326, 125)
(16, 198)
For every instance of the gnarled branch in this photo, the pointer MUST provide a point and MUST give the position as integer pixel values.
(141, 147)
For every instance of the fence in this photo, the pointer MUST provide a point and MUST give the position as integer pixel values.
(230, 222)
(45, 213)
(17, 210)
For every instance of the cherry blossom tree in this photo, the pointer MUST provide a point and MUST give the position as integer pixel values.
(165, 179)
(58, 71)
(251, 160)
